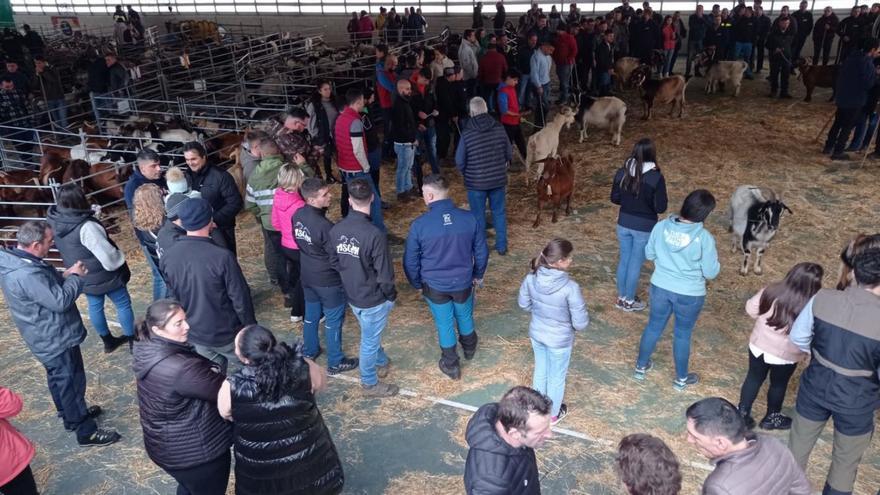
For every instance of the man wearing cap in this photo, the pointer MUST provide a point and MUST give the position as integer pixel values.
(207, 281)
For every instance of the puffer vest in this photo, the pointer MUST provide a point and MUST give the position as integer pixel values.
(98, 280)
(512, 105)
(345, 152)
(283, 446)
(484, 151)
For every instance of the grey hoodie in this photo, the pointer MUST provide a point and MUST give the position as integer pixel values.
(557, 307)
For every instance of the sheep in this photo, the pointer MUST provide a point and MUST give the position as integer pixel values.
(723, 72)
(606, 111)
(545, 142)
(754, 214)
(667, 90)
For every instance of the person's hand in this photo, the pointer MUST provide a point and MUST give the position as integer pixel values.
(318, 376)
(423, 115)
(422, 128)
(298, 158)
(540, 90)
(478, 282)
(435, 113)
(78, 268)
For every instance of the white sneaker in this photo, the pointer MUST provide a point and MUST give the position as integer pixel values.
(296, 319)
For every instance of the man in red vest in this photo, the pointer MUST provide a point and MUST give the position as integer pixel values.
(351, 150)
(508, 109)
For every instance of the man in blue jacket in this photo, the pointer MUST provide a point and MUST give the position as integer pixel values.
(855, 79)
(446, 255)
(147, 171)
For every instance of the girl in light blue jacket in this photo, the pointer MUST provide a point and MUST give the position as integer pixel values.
(558, 311)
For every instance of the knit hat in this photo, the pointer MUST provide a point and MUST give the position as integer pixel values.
(194, 214)
(172, 204)
(176, 180)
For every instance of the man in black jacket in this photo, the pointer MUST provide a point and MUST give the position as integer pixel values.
(502, 437)
(524, 52)
(49, 85)
(804, 19)
(780, 44)
(851, 31)
(207, 281)
(424, 106)
(698, 24)
(644, 37)
(359, 252)
(761, 33)
(42, 302)
(744, 32)
(218, 189)
(322, 287)
(586, 57)
(447, 118)
(404, 135)
(605, 64)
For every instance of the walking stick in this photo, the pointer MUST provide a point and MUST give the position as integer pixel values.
(827, 122)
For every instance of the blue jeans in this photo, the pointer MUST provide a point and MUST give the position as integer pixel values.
(159, 289)
(428, 143)
(375, 206)
(670, 61)
(863, 132)
(604, 82)
(686, 310)
(406, 154)
(374, 157)
(447, 314)
(497, 198)
(524, 91)
(331, 302)
(544, 98)
(58, 110)
(122, 301)
(632, 256)
(372, 321)
(743, 51)
(551, 368)
(67, 385)
(563, 72)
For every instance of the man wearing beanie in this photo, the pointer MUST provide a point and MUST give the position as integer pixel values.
(207, 281)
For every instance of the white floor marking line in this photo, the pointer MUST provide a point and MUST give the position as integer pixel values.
(470, 408)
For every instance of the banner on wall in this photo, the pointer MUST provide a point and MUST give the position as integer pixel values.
(66, 24)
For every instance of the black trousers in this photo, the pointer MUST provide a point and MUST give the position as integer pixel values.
(23, 484)
(824, 47)
(799, 42)
(294, 281)
(273, 258)
(514, 133)
(443, 126)
(759, 49)
(210, 478)
(780, 70)
(329, 149)
(67, 384)
(758, 370)
(225, 237)
(583, 74)
(844, 121)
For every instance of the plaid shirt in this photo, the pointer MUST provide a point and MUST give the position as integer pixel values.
(14, 108)
(291, 143)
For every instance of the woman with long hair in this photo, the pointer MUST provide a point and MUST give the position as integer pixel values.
(684, 257)
(647, 466)
(281, 442)
(323, 108)
(79, 236)
(774, 309)
(285, 203)
(558, 311)
(148, 217)
(640, 190)
(859, 244)
(177, 393)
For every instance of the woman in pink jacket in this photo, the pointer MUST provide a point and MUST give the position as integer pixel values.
(770, 350)
(286, 201)
(669, 40)
(16, 451)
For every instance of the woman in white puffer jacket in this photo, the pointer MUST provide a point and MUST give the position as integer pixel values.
(558, 311)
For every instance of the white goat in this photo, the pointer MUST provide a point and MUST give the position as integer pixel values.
(608, 112)
(545, 142)
(725, 71)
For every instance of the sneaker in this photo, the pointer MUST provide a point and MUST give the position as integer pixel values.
(316, 356)
(91, 412)
(382, 371)
(563, 412)
(776, 421)
(620, 304)
(100, 437)
(636, 305)
(380, 390)
(840, 157)
(641, 372)
(347, 364)
(296, 319)
(682, 383)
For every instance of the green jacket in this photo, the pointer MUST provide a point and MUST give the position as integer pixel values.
(260, 191)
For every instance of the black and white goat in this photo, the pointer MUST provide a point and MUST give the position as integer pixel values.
(606, 111)
(754, 214)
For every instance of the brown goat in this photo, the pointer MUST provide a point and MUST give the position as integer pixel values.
(667, 90)
(104, 179)
(555, 185)
(9, 193)
(817, 76)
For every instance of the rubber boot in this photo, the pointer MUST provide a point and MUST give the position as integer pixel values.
(449, 363)
(111, 343)
(469, 345)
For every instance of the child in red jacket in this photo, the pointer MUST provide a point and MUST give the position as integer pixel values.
(16, 451)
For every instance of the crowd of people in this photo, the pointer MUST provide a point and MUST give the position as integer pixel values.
(210, 376)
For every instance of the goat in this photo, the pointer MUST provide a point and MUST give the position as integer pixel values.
(667, 90)
(754, 214)
(816, 76)
(606, 111)
(623, 68)
(724, 71)
(545, 142)
(555, 184)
